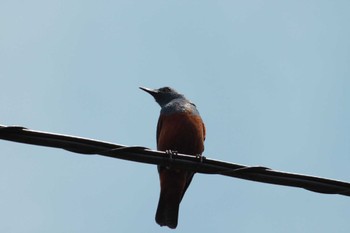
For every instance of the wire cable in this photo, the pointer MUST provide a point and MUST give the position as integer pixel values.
(197, 164)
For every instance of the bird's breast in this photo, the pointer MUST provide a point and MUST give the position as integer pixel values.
(183, 132)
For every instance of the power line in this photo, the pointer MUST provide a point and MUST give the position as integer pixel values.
(197, 164)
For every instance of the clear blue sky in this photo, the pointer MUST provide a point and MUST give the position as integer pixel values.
(270, 78)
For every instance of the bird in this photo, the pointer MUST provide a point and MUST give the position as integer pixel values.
(180, 129)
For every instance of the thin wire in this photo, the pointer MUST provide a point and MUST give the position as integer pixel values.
(198, 164)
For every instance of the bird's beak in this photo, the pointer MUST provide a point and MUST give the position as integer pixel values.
(152, 92)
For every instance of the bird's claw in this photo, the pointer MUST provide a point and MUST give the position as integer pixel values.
(200, 157)
(171, 153)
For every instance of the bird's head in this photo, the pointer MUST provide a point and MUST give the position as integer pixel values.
(163, 95)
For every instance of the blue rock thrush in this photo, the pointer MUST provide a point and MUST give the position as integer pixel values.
(180, 128)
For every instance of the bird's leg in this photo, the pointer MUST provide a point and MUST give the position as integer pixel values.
(170, 153)
(200, 157)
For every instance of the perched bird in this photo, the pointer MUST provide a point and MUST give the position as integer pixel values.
(180, 129)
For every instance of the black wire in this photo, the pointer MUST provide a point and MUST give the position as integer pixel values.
(197, 164)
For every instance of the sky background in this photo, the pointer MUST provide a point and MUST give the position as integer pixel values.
(270, 78)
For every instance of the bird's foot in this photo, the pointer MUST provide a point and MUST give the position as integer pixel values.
(171, 153)
(200, 157)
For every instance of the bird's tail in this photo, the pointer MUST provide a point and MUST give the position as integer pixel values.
(168, 210)
(173, 185)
